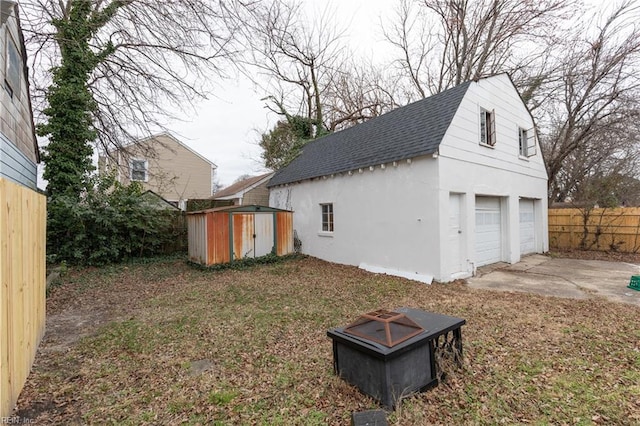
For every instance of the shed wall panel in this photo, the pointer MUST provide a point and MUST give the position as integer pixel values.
(284, 233)
(219, 229)
(197, 235)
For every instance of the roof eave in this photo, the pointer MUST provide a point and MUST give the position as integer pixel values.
(357, 169)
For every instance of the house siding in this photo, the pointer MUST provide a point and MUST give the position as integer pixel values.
(18, 156)
(15, 165)
(374, 222)
(174, 172)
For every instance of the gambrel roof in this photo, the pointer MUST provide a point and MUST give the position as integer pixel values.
(410, 131)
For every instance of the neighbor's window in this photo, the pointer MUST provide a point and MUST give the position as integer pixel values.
(522, 141)
(327, 217)
(12, 68)
(139, 172)
(487, 127)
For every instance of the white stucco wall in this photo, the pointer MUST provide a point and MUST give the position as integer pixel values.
(474, 170)
(398, 217)
(385, 218)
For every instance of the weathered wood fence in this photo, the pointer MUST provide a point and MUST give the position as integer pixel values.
(22, 286)
(595, 229)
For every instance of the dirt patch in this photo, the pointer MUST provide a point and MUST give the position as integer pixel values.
(65, 328)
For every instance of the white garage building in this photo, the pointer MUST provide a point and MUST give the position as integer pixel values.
(431, 190)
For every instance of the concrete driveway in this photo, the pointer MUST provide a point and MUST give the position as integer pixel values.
(571, 278)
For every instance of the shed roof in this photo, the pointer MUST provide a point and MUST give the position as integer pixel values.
(249, 208)
(406, 132)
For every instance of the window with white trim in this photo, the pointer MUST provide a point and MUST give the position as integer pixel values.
(13, 67)
(487, 127)
(139, 170)
(327, 217)
(523, 140)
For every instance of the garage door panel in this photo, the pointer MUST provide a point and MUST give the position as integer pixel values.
(527, 227)
(488, 231)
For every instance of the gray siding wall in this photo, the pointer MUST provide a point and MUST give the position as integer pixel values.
(14, 165)
(18, 150)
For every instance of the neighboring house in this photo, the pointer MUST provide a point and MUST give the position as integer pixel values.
(22, 219)
(164, 165)
(434, 189)
(252, 190)
(152, 200)
(19, 154)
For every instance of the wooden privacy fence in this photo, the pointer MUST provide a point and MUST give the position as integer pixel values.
(595, 229)
(22, 286)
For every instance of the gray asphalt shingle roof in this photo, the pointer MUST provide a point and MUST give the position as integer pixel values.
(406, 132)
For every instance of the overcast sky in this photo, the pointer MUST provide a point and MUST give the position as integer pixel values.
(227, 126)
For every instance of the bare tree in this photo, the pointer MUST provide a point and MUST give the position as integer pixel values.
(602, 172)
(442, 43)
(590, 122)
(297, 58)
(309, 71)
(582, 85)
(157, 57)
(358, 93)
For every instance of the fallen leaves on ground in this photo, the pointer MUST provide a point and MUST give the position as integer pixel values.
(122, 344)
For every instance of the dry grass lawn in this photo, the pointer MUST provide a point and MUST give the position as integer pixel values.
(167, 343)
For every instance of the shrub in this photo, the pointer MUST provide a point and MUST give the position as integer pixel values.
(109, 223)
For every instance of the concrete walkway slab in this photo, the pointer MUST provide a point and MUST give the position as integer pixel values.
(570, 278)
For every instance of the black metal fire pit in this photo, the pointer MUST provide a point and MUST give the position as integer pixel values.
(391, 354)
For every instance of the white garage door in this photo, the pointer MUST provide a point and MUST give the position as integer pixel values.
(527, 227)
(488, 231)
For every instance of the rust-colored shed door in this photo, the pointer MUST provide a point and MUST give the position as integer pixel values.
(243, 236)
(252, 234)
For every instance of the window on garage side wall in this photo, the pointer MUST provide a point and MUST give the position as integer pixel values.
(327, 217)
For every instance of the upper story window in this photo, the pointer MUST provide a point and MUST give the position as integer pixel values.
(12, 67)
(526, 142)
(139, 170)
(327, 217)
(522, 141)
(487, 127)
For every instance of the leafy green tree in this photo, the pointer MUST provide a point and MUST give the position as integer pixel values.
(283, 143)
(69, 128)
(118, 70)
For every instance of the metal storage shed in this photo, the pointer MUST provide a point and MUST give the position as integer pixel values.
(224, 234)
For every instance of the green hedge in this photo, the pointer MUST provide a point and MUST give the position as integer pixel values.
(110, 223)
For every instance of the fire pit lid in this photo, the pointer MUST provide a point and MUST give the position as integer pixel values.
(385, 327)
